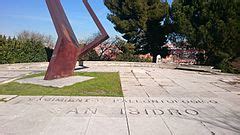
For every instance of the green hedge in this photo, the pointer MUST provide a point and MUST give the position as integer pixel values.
(13, 50)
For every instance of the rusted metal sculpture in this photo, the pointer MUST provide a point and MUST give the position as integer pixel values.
(68, 50)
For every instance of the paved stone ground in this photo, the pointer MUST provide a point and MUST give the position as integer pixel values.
(156, 101)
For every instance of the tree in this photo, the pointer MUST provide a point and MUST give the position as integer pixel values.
(107, 50)
(127, 51)
(145, 23)
(46, 40)
(210, 25)
(92, 54)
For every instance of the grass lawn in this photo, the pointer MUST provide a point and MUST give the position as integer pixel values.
(104, 84)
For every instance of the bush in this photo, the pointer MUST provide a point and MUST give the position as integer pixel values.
(90, 56)
(131, 58)
(13, 50)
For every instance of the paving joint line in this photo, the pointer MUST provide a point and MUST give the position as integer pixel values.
(156, 82)
(140, 83)
(125, 111)
(127, 120)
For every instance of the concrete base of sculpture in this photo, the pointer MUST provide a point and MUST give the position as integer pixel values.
(58, 83)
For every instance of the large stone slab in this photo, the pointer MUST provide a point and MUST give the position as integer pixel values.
(117, 115)
(59, 83)
(9, 76)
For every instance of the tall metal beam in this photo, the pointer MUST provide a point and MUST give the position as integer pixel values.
(67, 49)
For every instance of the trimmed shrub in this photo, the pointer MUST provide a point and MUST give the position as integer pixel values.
(13, 50)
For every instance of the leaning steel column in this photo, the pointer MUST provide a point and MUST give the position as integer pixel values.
(67, 49)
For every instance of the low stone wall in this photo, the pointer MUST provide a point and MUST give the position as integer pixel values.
(198, 68)
(128, 64)
(43, 65)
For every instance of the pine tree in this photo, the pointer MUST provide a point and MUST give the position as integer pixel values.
(212, 26)
(142, 22)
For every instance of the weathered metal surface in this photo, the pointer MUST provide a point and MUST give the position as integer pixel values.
(67, 49)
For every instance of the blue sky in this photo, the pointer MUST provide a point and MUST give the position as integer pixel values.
(33, 15)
